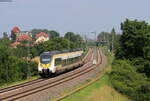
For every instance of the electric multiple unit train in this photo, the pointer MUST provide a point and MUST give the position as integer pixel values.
(50, 62)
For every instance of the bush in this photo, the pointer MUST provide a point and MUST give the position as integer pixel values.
(13, 68)
(132, 77)
(126, 80)
(142, 65)
(53, 45)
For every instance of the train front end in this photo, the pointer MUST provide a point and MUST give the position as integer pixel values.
(44, 65)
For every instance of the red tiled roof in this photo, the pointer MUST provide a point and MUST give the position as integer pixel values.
(15, 44)
(23, 37)
(15, 30)
(41, 34)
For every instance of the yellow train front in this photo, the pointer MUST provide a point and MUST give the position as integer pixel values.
(51, 61)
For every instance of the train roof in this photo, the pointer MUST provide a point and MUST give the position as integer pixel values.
(58, 52)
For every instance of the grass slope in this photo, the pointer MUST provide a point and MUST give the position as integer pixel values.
(98, 91)
(106, 93)
(101, 90)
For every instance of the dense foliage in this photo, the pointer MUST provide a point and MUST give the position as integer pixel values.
(53, 45)
(12, 67)
(131, 69)
(109, 39)
(76, 39)
(129, 82)
(16, 64)
(135, 40)
(51, 33)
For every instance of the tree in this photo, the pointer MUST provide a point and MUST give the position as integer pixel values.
(128, 81)
(5, 35)
(77, 39)
(14, 67)
(5, 42)
(135, 37)
(105, 39)
(59, 43)
(70, 36)
(51, 33)
(113, 35)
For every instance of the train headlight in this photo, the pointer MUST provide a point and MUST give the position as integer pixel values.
(45, 65)
(48, 65)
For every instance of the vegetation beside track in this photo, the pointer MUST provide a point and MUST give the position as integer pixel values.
(100, 90)
(131, 68)
(16, 63)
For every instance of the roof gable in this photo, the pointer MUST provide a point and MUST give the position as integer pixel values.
(15, 29)
(23, 37)
(41, 34)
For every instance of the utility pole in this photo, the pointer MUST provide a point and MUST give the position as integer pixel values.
(108, 43)
(112, 45)
(83, 40)
(85, 37)
(69, 43)
(28, 57)
(95, 36)
(113, 37)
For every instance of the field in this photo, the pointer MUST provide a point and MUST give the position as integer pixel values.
(101, 90)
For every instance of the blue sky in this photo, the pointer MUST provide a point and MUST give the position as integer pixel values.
(82, 16)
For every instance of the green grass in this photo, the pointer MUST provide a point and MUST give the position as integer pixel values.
(100, 90)
(87, 91)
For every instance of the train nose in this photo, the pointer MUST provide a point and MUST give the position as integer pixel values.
(45, 65)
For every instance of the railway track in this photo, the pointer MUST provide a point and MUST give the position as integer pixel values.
(44, 87)
(2, 90)
(17, 91)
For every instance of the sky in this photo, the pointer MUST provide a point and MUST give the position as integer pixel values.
(79, 16)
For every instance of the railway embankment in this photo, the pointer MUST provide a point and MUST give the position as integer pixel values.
(97, 89)
(38, 89)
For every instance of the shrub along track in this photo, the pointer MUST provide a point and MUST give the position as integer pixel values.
(25, 89)
(3, 90)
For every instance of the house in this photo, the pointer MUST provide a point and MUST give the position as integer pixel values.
(23, 33)
(41, 37)
(18, 36)
(16, 32)
(23, 37)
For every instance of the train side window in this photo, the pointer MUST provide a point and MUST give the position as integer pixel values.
(58, 61)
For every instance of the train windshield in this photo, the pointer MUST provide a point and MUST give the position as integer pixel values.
(45, 59)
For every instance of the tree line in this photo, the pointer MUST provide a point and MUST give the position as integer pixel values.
(109, 39)
(52, 33)
(131, 68)
(16, 64)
